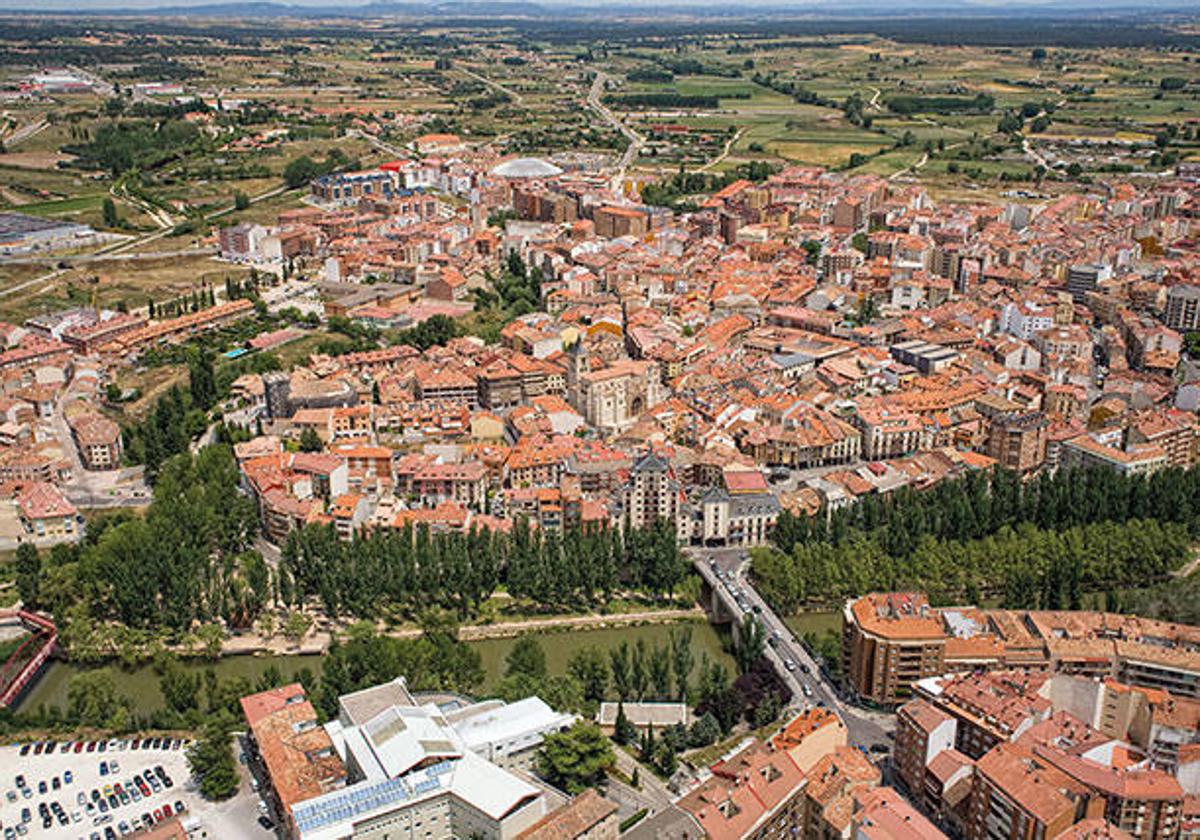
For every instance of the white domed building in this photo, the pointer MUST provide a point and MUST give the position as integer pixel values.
(524, 169)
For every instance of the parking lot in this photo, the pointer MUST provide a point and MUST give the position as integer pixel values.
(75, 782)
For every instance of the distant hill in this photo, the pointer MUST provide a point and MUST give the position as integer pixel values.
(551, 9)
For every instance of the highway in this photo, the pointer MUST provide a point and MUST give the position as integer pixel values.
(727, 567)
(635, 140)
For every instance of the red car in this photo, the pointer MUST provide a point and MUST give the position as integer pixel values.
(158, 814)
(166, 809)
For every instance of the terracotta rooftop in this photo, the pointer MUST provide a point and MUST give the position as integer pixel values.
(580, 815)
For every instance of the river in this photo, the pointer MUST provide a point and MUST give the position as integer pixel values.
(141, 684)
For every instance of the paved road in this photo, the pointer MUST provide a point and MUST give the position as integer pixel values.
(653, 795)
(512, 94)
(635, 140)
(724, 152)
(864, 728)
(23, 133)
(80, 259)
(381, 145)
(91, 489)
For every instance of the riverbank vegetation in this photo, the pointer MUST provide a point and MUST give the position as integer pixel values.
(405, 570)
(1037, 544)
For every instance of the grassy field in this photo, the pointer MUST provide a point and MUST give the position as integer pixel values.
(1092, 94)
(128, 282)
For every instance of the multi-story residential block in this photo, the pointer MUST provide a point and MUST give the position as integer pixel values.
(1018, 796)
(1085, 277)
(809, 736)
(1018, 440)
(652, 492)
(755, 794)
(588, 816)
(881, 814)
(98, 440)
(45, 513)
(889, 642)
(922, 731)
(1183, 307)
(1085, 451)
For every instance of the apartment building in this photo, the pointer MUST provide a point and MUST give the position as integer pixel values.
(1017, 796)
(881, 814)
(294, 749)
(588, 816)
(1018, 440)
(1183, 307)
(809, 736)
(652, 492)
(922, 731)
(613, 222)
(889, 642)
(755, 794)
(1086, 451)
(98, 440)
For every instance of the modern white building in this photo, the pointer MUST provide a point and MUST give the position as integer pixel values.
(411, 776)
(418, 772)
(1025, 319)
(508, 734)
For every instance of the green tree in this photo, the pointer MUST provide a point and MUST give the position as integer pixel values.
(29, 575)
(310, 441)
(706, 730)
(681, 660)
(300, 171)
(240, 201)
(211, 638)
(109, 211)
(527, 658)
(624, 732)
(296, 626)
(180, 688)
(93, 700)
(202, 380)
(576, 759)
(749, 643)
(618, 659)
(587, 665)
(211, 759)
